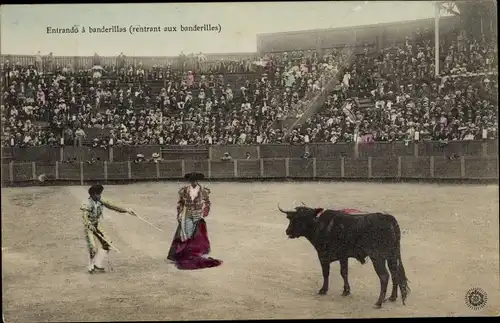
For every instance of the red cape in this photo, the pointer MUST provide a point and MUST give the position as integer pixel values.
(191, 254)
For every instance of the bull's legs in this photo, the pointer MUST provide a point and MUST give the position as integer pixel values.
(393, 268)
(344, 269)
(325, 268)
(383, 275)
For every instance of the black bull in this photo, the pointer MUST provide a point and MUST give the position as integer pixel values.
(337, 235)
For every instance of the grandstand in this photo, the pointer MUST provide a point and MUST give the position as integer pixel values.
(339, 85)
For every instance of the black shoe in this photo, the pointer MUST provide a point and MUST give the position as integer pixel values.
(98, 269)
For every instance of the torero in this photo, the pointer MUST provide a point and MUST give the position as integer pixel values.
(191, 246)
(92, 213)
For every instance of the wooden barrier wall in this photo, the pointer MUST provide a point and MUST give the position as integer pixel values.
(402, 167)
(321, 151)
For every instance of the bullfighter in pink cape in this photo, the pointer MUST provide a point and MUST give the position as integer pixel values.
(191, 245)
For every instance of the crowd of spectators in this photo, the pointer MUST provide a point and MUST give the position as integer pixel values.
(186, 108)
(391, 94)
(301, 76)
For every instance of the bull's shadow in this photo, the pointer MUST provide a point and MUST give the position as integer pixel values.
(338, 235)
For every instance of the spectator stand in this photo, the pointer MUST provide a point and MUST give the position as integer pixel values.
(99, 80)
(398, 98)
(198, 99)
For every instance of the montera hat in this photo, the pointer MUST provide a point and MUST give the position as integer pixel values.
(194, 176)
(96, 189)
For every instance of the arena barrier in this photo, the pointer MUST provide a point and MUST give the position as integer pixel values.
(477, 148)
(402, 167)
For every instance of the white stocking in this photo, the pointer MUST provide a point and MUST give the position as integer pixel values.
(100, 257)
(91, 263)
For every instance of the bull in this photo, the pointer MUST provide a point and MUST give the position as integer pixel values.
(337, 235)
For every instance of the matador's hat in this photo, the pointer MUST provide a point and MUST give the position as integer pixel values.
(96, 189)
(194, 176)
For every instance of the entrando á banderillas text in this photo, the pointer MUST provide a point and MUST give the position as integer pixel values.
(134, 29)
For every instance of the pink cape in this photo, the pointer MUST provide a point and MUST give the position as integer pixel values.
(352, 211)
(192, 253)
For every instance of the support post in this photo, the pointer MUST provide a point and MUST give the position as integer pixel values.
(111, 154)
(314, 167)
(399, 167)
(81, 173)
(129, 169)
(183, 167)
(484, 149)
(258, 152)
(436, 40)
(431, 165)
(261, 167)
(370, 167)
(57, 170)
(33, 170)
(61, 154)
(105, 170)
(462, 166)
(415, 149)
(342, 167)
(235, 168)
(157, 170)
(11, 172)
(287, 167)
(210, 152)
(209, 166)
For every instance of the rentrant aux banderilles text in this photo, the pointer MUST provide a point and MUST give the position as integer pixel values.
(134, 29)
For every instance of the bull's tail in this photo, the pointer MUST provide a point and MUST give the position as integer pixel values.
(402, 279)
(401, 275)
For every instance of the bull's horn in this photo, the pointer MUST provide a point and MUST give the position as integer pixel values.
(293, 204)
(303, 204)
(279, 208)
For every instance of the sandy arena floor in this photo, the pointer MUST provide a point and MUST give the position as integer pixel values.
(450, 244)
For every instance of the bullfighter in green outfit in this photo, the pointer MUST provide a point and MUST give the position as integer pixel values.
(92, 213)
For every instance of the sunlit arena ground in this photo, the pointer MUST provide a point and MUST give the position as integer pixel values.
(449, 245)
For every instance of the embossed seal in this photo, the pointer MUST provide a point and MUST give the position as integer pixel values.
(476, 298)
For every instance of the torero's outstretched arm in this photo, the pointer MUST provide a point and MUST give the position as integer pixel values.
(107, 204)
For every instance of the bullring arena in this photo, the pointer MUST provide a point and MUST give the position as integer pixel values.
(449, 245)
